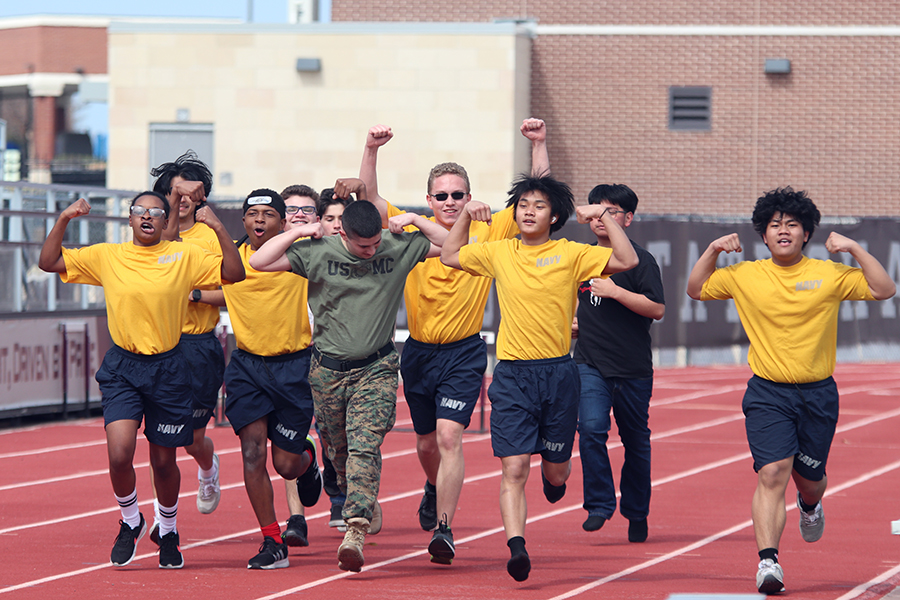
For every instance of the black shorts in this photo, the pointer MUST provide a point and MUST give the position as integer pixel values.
(276, 387)
(154, 387)
(206, 359)
(534, 407)
(442, 381)
(784, 420)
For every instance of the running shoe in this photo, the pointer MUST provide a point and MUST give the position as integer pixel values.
(272, 555)
(296, 533)
(769, 577)
(337, 517)
(428, 508)
(812, 525)
(125, 548)
(441, 548)
(209, 493)
(169, 553)
(309, 485)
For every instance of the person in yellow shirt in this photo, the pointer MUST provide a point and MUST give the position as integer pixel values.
(144, 375)
(788, 305)
(267, 378)
(536, 388)
(444, 358)
(201, 347)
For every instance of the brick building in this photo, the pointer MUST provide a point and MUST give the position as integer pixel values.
(43, 61)
(797, 94)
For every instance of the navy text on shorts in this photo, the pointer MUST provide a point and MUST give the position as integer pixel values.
(442, 381)
(156, 387)
(276, 387)
(534, 407)
(204, 355)
(786, 419)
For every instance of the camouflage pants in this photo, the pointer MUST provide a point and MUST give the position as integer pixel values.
(355, 410)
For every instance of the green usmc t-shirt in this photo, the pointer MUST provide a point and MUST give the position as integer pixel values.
(354, 301)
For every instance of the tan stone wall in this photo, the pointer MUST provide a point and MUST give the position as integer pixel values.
(447, 97)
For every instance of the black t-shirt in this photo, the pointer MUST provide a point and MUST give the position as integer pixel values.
(611, 338)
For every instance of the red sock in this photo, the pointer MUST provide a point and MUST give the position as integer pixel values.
(273, 531)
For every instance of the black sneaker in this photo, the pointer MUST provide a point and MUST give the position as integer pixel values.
(337, 517)
(272, 555)
(309, 485)
(553, 493)
(169, 554)
(637, 531)
(441, 547)
(154, 533)
(296, 533)
(125, 548)
(329, 478)
(428, 508)
(593, 523)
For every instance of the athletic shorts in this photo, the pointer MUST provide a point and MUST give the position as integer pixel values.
(534, 407)
(153, 387)
(205, 357)
(442, 381)
(276, 387)
(785, 420)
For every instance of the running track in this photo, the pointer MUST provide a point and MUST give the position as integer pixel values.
(58, 517)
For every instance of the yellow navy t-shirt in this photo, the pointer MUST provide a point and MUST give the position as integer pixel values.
(268, 310)
(536, 288)
(445, 305)
(146, 288)
(790, 314)
(201, 317)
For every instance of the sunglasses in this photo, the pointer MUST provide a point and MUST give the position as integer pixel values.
(306, 210)
(140, 211)
(443, 196)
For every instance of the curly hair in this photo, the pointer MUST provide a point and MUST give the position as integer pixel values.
(559, 195)
(787, 202)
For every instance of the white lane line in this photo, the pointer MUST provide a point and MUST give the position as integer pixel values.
(716, 536)
(864, 587)
(53, 449)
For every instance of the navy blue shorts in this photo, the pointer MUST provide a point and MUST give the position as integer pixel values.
(534, 407)
(276, 387)
(442, 381)
(785, 420)
(154, 387)
(206, 360)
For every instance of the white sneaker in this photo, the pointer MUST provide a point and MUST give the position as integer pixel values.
(769, 577)
(812, 525)
(208, 495)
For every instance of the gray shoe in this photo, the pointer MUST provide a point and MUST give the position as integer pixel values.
(769, 577)
(812, 525)
(209, 493)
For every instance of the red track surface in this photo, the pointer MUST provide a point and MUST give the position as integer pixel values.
(58, 517)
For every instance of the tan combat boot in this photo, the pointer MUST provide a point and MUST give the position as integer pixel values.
(350, 552)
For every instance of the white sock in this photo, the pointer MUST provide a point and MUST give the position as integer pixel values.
(207, 474)
(167, 517)
(155, 510)
(131, 513)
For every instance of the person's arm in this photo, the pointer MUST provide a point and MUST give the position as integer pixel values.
(378, 136)
(271, 256)
(194, 190)
(232, 266)
(459, 233)
(706, 264)
(212, 297)
(434, 232)
(636, 303)
(51, 259)
(536, 131)
(880, 283)
(623, 255)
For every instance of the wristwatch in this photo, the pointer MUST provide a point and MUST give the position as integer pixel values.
(195, 296)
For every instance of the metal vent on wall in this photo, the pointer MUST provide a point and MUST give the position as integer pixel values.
(690, 108)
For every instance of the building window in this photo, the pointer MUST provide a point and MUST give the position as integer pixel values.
(690, 108)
